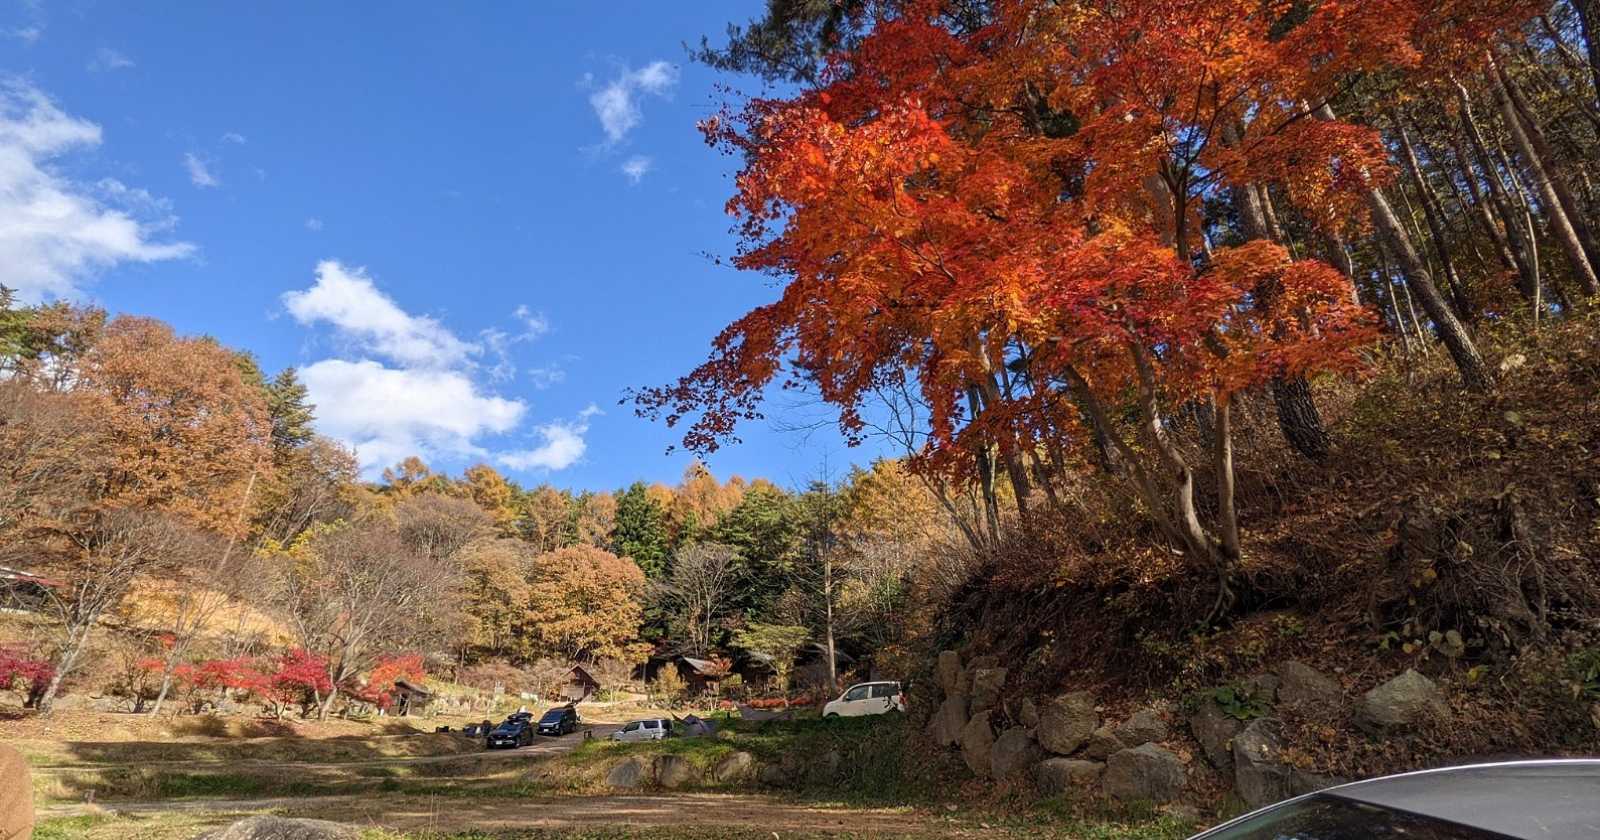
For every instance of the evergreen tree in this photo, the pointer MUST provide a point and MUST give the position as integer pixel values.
(764, 530)
(291, 414)
(641, 530)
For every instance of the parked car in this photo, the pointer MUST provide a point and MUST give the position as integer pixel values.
(511, 734)
(651, 729)
(559, 721)
(1518, 800)
(871, 698)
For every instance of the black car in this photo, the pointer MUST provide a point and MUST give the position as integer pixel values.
(559, 721)
(511, 734)
(1518, 800)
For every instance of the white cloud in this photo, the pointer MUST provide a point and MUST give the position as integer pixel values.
(106, 58)
(234, 137)
(389, 413)
(55, 233)
(617, 104)
(411, 387)
(546, 376)
(199, 174)
(29, 35)
(534, 323)
(562, 445)
(347, 299)
(313, 224)
(636, 167)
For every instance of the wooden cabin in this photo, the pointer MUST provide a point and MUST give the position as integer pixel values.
(580, 685)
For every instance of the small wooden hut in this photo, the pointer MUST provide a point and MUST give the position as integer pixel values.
(407, 698)
(580, 685)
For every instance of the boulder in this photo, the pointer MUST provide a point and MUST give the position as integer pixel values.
(825, 769)
(1263, 687)
(987, 684)
(947, 721)
(773, 776)
(1303, 686)
(1056, 776)
(1067, 721)
(282, 828)
(1148, 773)
(1302, 782)
(674, 771)
(1260, 776)
(1029, 713)
(1402, 701)
(631, 772)
(734, 767)
(1013, 752)
(1143, 727)
(976, 741)
(1102, 743)
(1215, 731)
(949, 672)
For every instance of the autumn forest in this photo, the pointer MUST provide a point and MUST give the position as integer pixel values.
(1205, 335)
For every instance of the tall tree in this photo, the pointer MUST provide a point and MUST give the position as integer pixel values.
(640, 531)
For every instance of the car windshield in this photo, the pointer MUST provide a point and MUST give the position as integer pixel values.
(1333, 818)
(553, 716)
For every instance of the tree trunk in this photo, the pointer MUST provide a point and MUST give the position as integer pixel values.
(1589, 20)
(1298, 418)
(1474, 372)
(1559, 207)
(1432, 214)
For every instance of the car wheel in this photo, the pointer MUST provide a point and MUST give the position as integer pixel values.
(831, 715)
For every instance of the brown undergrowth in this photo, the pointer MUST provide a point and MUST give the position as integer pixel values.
(1452, 533)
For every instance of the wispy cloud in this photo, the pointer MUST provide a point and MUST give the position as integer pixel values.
(29, 35)
(561, 444)
(234, 137)
(637, 167)
(409, 386)
(346, 298)
(107, 59)
(199, 173)
(313, 224)
(58, 233)
(546, 376)
(617, 103)
(534, 324)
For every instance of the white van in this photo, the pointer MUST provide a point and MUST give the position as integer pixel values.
(871, 698)
(651, 729)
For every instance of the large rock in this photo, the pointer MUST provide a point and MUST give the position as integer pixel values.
(1067, 721)
(674, 771)
(977, 739)
(1215, 731)
(1262, 687)
(1029, 713)
(948, 720)
(1402, 701)
(282, 828)
(1148, 773)
(987, 685)
(631, 772)
(1013, 752)
(1143, 727)
(1102, 743)
(734, 767)
(1260, 776)
(773, 776)
(949, 672)
(1302, 686)
(1056, 776)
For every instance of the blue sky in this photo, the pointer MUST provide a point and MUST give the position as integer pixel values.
(471, 227)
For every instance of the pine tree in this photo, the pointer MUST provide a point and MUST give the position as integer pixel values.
(291, 414)
(641, 530)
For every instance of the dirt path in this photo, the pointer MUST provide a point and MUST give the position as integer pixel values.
(539, 748)
(454, 814)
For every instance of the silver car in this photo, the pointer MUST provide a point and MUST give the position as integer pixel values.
(1518, 800)
(649, 729)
